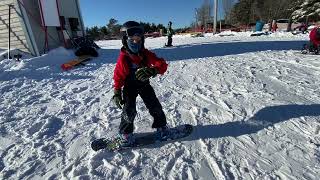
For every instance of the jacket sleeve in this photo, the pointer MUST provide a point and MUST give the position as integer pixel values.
(156, 62)
(313, 37)
(120, 72)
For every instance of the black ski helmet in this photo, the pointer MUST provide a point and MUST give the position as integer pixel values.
(131, 28)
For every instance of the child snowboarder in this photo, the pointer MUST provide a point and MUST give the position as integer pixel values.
(314, 44)
(170, 34)
(135, 65)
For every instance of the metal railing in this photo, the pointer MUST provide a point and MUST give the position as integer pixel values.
(10, 20)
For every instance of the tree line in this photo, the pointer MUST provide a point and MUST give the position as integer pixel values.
(248, 11)
(236, 12)
(112, 29)
(244, 12)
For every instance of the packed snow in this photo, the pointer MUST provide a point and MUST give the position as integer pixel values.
(254, 103)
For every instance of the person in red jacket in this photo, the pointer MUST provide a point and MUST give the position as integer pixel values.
(314, 45)
(135, 66)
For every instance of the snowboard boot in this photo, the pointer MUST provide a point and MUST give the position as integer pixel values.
(163, 133)
(305, 49)
(316, 51)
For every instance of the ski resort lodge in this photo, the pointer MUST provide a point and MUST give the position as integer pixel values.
(36, 26)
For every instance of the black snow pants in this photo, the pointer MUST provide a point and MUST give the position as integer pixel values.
(131, 90)
(169, 43)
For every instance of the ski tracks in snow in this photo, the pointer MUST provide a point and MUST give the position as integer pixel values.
(232, 90)
(48, 123)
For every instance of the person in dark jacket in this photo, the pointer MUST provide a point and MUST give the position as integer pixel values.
(135, 66)
(170, 34)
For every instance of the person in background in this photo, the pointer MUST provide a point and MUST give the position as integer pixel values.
(303, 27)
(270, 25)
(135, 66)
(259, 25)
(170, 34)
(274, 26)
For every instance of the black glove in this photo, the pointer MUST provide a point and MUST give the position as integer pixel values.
(143, 74)
(117, 98)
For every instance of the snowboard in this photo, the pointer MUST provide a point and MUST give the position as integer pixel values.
(167, 46)
(259, 33)
(141, 139)
(75, 62)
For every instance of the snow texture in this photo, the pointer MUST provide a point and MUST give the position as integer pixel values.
(254, 103)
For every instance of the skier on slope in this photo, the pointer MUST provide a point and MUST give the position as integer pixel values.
(314, 44)
(135, 65)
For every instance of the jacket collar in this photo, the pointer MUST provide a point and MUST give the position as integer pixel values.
(134, 58)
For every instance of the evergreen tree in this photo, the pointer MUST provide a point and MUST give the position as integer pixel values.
(114, 27)
(94, 32)
(308, 9)
(104, 31)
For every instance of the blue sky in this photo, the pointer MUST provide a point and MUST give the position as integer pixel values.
(180, 12)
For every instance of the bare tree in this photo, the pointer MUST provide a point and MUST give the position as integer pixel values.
(203, 16)
(227, 6)
(247, 11)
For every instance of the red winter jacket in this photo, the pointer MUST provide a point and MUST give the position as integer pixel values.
(313, 37)
(122, 68)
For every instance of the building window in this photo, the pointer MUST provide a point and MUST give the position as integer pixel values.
(74, 24)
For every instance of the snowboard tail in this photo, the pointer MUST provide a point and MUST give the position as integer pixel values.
(78, 61)
(141, 139)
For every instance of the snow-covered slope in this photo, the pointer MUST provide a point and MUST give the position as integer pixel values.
(254, 102)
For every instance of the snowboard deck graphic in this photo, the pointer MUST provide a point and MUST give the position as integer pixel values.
(75, 62)
(141, 139)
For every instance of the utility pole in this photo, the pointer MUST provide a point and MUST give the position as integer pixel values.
(196, 23)
(215, 16)
(9, 31)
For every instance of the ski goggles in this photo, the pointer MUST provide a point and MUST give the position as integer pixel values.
(134, 31)
(134, 39)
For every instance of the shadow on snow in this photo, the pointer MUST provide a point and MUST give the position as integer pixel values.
(193, 51)
(264, 118)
